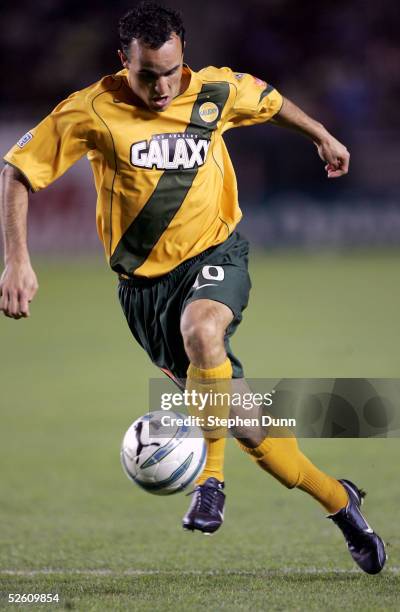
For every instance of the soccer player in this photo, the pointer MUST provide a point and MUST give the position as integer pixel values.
(167, 212)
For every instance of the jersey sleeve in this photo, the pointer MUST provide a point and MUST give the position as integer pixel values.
(255, 101)
(44, 153)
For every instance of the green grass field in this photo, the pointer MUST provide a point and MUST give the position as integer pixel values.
(72, 380)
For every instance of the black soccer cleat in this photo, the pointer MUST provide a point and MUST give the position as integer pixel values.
(365, 546)
(206, 510)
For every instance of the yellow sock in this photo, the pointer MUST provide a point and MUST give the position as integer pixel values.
(215, 461)
(282, 458)
(216, 380)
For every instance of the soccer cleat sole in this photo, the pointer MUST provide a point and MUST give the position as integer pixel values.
(192, 529)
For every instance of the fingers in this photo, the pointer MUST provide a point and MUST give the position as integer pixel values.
(339, 168)
(15, 305)
(4, 301)
(346, 162)
(333, 172)
(9, 304)
(24, 304)
(336, 156)
(18, 286)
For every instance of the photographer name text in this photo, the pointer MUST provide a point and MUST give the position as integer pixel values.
(171, 420)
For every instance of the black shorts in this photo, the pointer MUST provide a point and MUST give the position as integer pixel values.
(153, 307)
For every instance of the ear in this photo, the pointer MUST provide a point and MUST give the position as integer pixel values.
(123, 58)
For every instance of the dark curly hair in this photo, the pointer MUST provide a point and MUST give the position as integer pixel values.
(152, 23)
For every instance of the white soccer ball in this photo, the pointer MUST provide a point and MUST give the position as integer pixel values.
(163, 459)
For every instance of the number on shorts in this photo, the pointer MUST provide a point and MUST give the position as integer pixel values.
(209, 273)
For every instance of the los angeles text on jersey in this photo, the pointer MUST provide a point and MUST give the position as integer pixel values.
(170, 151)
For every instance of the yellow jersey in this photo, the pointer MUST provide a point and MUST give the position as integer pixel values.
(165, 183)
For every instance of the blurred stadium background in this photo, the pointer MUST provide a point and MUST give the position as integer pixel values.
(325, 303)
(339, 61)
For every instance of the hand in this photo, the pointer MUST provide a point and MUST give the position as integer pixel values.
(18, 286)
(335, 154)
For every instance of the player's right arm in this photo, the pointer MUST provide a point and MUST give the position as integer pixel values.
(38, 159)
(18, 283)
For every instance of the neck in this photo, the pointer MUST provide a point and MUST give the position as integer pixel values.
(185, 79)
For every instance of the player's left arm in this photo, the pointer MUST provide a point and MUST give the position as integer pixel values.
(330, 150)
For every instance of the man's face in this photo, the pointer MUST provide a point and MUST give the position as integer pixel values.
(154, 75)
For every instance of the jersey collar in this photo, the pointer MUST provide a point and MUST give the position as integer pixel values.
(195, 83)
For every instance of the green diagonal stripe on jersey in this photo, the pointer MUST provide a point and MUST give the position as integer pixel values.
(266, 91)
(144, 232)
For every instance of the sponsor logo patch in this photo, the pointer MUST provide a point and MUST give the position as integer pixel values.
(260, 82)
(183, 150)
(24, 140)
(208, 112)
